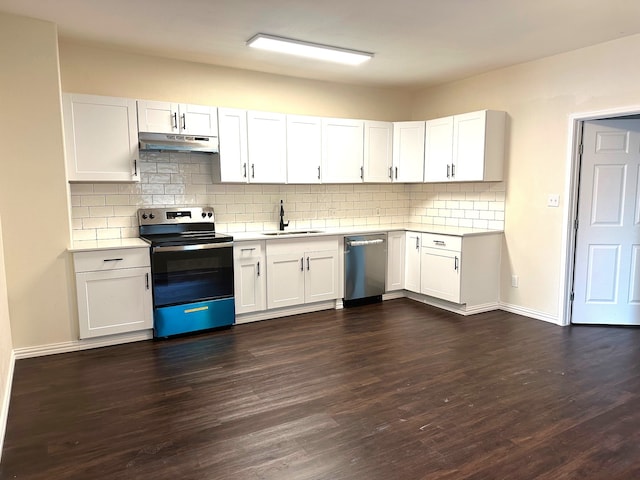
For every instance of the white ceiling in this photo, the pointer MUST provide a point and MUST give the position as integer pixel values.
(416, 42)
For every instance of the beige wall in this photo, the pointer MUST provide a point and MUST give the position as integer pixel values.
(97, 70)
(6, 347)
(539, 97)
(33, 192)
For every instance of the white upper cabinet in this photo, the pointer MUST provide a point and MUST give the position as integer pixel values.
(342, 150)
(234, 159)
(466, 148)
(304, 149)
(408, 151)
(438, 149)
(101, 138)
(267, 135)
(378, 149)
(167, 117)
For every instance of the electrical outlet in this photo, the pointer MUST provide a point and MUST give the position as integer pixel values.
(553, 200)
(378, 212)
(514, 281)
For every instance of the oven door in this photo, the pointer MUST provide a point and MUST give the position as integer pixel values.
(191, 273)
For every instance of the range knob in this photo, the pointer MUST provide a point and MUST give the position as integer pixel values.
(210, 214)
(204, 214)
(152, 216)
(144, 216)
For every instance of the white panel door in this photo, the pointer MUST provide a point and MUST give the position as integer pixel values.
(321, 282)
(378, 148)
(412, 262)
(408, 151)
(158, 117)
(440, 274)
(198, 120)
(249, 277)
(232, 126)
(607, 259)
(285, 280)
(395, 261)
(342, 150)
(267, 142)
(304, 149)
(438, 154)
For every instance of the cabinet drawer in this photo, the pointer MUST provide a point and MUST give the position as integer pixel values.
(100, 260)
(442, 242)
(246, 250)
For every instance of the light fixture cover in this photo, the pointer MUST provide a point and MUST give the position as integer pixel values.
(308, 49)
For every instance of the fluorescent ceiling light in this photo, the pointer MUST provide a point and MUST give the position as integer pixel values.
(307, 49)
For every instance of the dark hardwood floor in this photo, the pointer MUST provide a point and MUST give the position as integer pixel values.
(397, 390)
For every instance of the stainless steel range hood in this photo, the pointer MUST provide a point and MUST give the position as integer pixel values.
(170, 142)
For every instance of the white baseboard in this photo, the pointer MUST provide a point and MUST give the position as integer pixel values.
(77, 345)
(6, 398)
(393, 295)
(527, 312)
(463, 309)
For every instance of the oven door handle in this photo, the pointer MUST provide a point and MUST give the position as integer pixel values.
(184, 248)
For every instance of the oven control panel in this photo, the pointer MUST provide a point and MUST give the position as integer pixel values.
(164, 216)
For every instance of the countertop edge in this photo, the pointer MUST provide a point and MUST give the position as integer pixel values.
(92, 245)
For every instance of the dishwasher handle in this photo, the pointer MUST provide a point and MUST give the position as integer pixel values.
(363, 243)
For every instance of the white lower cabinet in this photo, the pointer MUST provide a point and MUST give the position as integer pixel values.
(395, 261)
(302, 271)
(412, 261)
(114, 291)
(250, 279)
(457, 269)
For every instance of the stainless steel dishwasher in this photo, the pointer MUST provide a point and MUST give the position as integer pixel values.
(365, 261)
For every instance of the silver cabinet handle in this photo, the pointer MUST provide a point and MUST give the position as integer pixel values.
(302, 264)
(112, 259)
(253, 170)
(135, 167)
(175, 120)
(362, 173)
(247, 249)
(417, 243)
(244, 166)
(146, 275)
(184, 121)
(441, 243)
(307, 263)
(453, 171)
(258, 268)
(396, 173)
(318, 173)
(455, 263)
(448, 170)
(391, 173)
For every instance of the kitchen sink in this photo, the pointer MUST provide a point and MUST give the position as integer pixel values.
(291, 232)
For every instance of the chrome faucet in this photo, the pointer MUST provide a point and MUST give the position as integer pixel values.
(282, 224)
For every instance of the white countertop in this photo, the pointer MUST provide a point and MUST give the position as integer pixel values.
(88, 245)
(355, 230)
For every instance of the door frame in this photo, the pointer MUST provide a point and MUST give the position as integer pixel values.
(570, 213)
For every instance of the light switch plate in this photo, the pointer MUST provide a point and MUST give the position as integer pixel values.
(553, 200)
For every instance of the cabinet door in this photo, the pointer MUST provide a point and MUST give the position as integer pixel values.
(114, 301)
(198, 120)
(321, 282)
(158, 117)
(469, 146)
(267, 137)
(101, 138)
(438, 155)
(304, 149)
(232, 127)
(395, 261)
(285, 278)
(412, 262)
(249, 277)
(378, 147)
(342, 150)
(440, 276)
(408, 151)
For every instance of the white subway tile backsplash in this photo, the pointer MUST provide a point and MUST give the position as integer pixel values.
(101, 211)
